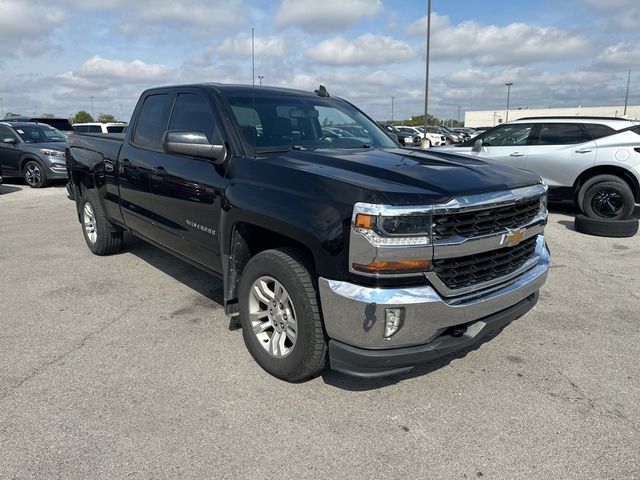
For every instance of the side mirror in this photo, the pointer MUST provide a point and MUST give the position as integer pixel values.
(12, 141)
(192, 144)
(477, 146)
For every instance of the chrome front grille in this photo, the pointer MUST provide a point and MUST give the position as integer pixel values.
(486, 221)
(468, 271)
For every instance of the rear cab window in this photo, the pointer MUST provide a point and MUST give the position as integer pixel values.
(152, 121)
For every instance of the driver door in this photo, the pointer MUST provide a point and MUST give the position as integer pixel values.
(509, 144)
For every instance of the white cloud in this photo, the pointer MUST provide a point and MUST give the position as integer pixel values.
(199, 17)
(20, 32)
(318, 16)
(367, 49)
(622, 55)
(490, 45)
(240, 45)
(99, 71)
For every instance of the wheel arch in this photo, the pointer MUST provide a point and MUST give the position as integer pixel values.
(247, 239)
(615, 170)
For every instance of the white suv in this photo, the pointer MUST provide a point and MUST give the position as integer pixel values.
(96, 127)
(593, 161)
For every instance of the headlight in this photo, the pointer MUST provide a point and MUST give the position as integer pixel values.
(377, 232)
(52, 153)
(394, 230)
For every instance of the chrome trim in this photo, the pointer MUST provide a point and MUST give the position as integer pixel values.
(490, 199)
(355, 315)
(457, 204)
(455, 247)
(448, 292)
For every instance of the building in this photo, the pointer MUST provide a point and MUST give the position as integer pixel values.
(490, 118)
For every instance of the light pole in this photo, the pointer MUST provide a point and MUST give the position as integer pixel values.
(459, 107)
(425, 140)
(508, 84)
(260, 77)
(626, 97)
(93, 113)
(2, 106)
(392, 99)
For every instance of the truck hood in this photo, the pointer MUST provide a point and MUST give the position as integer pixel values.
(407, 176)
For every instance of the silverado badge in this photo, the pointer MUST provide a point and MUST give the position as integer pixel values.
(513, 237)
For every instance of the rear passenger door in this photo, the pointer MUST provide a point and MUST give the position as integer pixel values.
(138, 157)
(188, 191)
(561, 152)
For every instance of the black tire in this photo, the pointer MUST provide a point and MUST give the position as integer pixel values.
(107, 239)
(35, 175)
(592, 181)
(308, 356)
(610, 200)
(603, 227)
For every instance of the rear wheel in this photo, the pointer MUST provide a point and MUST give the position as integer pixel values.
(280, 315)
(610, 200)
(101, 237)
(34, 174)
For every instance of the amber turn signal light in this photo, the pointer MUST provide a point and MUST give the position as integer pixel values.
(405, 266)
(365, 221)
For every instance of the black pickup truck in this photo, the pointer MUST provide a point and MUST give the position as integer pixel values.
(346, 251)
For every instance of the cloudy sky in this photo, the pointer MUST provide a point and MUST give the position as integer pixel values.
(56, 55)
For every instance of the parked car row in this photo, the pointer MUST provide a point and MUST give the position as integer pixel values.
(33, 149)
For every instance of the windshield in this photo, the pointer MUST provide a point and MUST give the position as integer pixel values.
(38, 133)
(276, 123)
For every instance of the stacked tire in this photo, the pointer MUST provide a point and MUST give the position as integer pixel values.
(608, 205)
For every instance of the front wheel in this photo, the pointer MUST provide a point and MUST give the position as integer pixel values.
(280, 315)
(34, 174)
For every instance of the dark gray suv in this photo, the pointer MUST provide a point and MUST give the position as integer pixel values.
(33, 151)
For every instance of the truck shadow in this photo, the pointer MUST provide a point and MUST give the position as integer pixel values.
(357, 384)
(185, 273)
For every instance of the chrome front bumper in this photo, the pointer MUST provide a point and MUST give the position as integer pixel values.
(355, 315)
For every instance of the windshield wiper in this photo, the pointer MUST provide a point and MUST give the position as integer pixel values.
(281, 149)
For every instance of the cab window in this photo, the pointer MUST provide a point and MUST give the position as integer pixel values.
(152, 122)
(514, 134)
(563, 134)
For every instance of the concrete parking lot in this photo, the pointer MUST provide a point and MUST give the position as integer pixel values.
(126, 366)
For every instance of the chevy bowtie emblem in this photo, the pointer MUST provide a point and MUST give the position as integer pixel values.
(514, 237)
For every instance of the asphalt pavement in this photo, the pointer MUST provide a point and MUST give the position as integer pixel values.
(127, 367)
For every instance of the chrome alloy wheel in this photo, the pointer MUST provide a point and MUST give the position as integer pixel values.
(89, 222)
(32, 174)
(273, 317)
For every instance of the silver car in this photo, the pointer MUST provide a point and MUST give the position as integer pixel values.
(592, 161)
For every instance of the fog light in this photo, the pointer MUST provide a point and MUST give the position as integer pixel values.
(393, 321)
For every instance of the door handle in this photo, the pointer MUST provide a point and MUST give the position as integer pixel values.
(517, 154)
(160, 171)
(583, 150)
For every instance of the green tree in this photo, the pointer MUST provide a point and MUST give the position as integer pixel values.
(81, 117)
(11, 114)
(106, 118)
